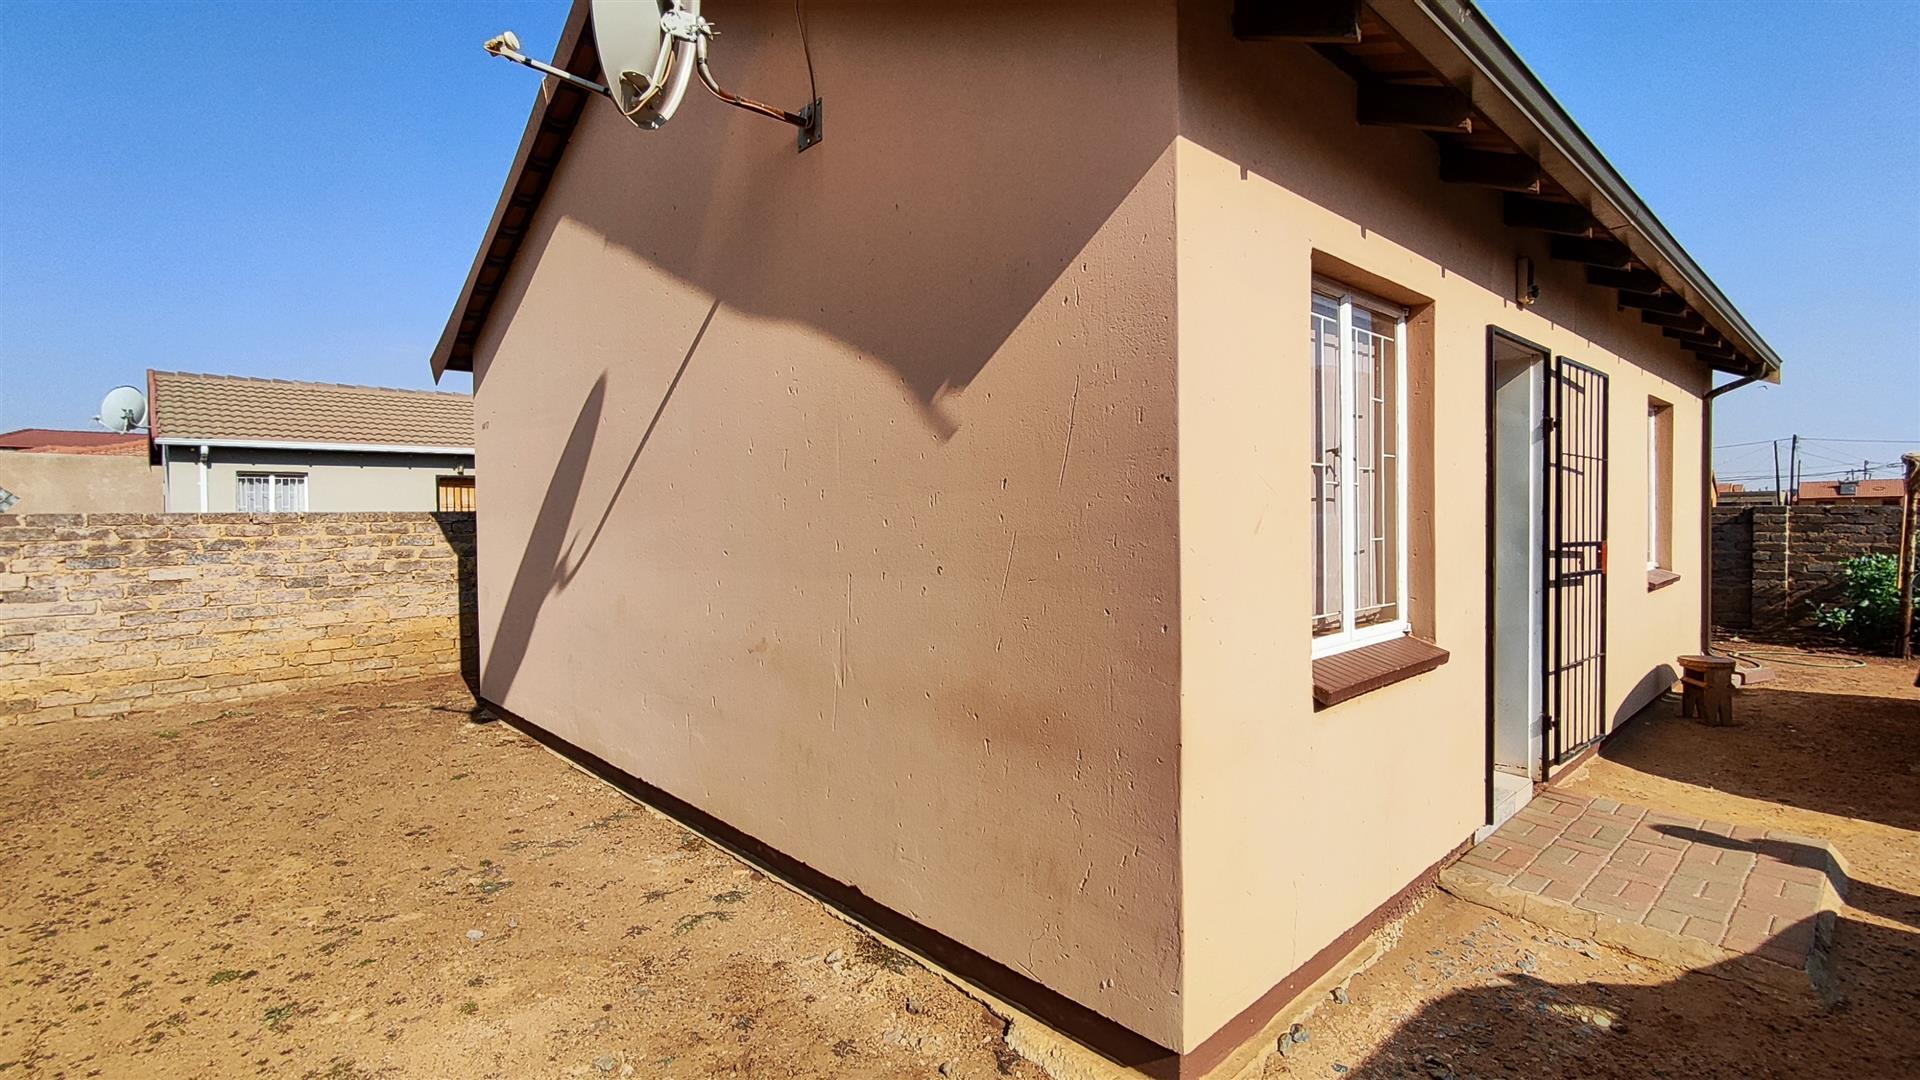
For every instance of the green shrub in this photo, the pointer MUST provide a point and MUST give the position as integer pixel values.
(1870, 615)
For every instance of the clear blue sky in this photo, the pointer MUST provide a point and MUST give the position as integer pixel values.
(298, 189)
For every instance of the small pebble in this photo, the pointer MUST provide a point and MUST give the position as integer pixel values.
(604, 1064)
(946, 1069)
(835, 957)
(1299, 1033)
(476, 935)
(1340, 995)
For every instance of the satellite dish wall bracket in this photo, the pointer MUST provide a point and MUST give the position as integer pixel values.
(807, 119)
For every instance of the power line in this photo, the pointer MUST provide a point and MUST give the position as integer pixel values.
(1914, 442)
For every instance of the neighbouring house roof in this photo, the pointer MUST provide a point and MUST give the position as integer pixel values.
(56, 441)
(232, 410)
(1508, 124)
(1829, 490)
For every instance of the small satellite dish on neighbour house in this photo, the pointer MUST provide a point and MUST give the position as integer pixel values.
(649, 51)
(123, 409)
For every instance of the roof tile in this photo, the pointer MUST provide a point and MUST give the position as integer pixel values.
(192, 406)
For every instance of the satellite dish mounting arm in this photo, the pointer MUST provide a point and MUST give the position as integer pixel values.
(507, 46)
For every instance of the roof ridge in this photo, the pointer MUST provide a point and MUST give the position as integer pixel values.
(269, 380)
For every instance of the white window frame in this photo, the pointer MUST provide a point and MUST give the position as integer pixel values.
(1350, 636)
(275, 481)
(1659, 513)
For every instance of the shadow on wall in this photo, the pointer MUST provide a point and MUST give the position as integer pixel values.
(458, 529)
(555, 553)
(927, 226)
(1653, 691)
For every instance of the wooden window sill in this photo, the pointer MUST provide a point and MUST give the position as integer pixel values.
(1660, 579)
(1345, 676)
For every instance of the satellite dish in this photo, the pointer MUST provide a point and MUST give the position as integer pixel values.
(650, 50)
(646, 68)
(123, 409)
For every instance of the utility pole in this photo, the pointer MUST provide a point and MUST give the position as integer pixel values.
(1777, 496)
(1793, 472)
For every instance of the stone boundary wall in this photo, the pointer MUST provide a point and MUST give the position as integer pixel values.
(107, 614)
(1775, 566)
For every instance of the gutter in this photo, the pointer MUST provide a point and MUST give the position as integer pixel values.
(342, 447)
(1463, 45)
(1706, 503)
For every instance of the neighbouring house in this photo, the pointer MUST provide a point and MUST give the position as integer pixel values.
(1853, 492)
(233, 444)
(51, 471)
(957, 509)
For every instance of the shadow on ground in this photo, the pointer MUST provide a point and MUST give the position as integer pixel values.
(1848, 754)
(1688, 1026)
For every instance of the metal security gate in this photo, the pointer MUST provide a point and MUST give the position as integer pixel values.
(1575, 566)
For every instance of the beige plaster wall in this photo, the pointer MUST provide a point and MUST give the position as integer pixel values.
(80, 483)
(835, 493)
(336, 481)
(1294, 823)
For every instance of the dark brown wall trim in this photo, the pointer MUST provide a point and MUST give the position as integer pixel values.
(1090, 1029)
(1217, 1047)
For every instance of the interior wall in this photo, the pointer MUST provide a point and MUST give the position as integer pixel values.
(834, 493)
(1296, 823)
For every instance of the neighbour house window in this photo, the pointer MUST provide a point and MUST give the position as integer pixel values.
(1659, 485)
(454, 494)
(1359, 482)
(271, 493)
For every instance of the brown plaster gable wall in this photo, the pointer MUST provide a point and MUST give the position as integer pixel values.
(834, 493)
(1296, 823)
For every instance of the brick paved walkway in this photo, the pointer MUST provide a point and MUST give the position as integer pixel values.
(1663, 885)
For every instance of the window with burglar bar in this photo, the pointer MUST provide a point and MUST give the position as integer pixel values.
(1359, 489)
(271, 493)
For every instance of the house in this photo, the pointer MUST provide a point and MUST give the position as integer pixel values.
(1853, 492)
(58, 441)
(227, 444)
(53, 471)
(956, 510)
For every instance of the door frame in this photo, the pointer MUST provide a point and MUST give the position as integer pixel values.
(1496, 335)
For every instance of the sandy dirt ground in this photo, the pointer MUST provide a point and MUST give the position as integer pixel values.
(372, 884)
(369, 884)
(1466, 992)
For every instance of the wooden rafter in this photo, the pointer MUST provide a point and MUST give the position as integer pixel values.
(1426, 108)
(1297, 20)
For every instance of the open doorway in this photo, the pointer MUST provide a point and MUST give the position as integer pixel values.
(1516, 593)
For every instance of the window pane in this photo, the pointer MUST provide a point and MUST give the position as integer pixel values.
(289, 494)
(1376, 467)
(1325, 398)
(252, 495)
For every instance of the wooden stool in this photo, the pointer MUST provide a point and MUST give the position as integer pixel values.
(1708, 693)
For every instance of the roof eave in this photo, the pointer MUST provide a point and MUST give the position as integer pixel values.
(1463, 45)
(451, 353)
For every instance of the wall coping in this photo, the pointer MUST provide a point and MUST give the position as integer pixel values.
(47, 520)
